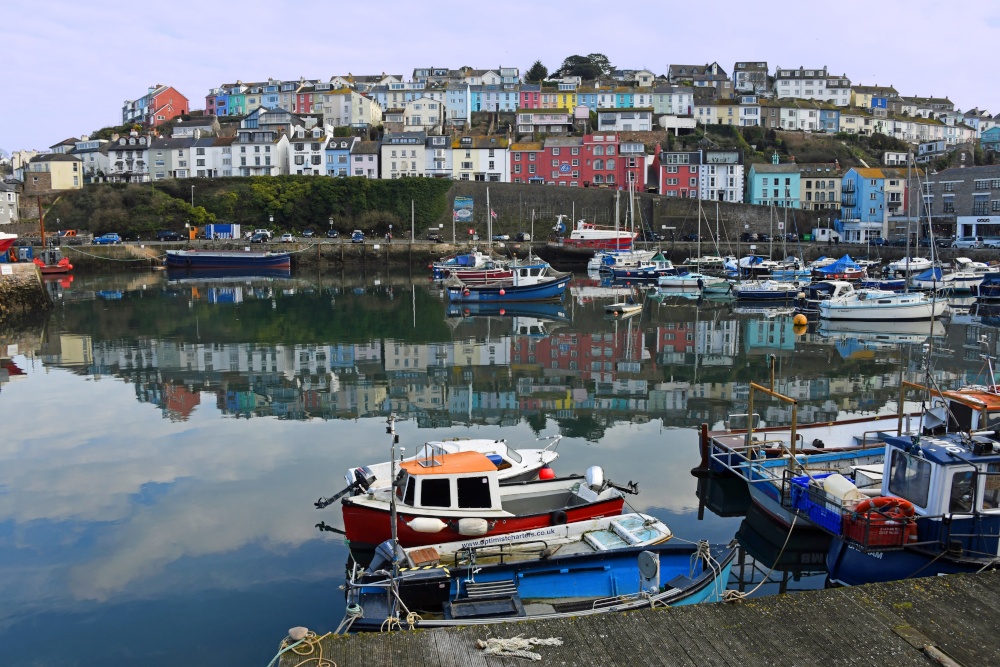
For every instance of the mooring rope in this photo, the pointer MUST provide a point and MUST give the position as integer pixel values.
(516, 647)
(738, 596)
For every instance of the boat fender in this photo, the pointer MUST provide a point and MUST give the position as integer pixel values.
(818, 444)
(558, 518)
(594, 477)
(424, 524)
(473, 527)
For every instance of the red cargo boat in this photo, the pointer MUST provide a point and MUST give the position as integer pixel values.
(449, 497)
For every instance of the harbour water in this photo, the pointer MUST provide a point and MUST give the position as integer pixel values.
(166, 435)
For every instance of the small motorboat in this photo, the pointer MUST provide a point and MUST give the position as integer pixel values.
(875, 305)
(766, 290)
(623, 309)
(690, 279)
(512, 464)
(449, 497)
(577, 569)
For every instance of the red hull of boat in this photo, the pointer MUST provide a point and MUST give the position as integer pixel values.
(620, 243)
(366, 526)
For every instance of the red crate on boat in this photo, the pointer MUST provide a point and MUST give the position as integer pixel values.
(873, 532)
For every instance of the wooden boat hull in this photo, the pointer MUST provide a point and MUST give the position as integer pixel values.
(226, 259)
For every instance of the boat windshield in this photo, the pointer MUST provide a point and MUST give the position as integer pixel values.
(910, 477)
(513, 455)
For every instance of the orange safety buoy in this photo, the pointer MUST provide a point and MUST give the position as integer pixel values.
(888, 505)
(12, 255)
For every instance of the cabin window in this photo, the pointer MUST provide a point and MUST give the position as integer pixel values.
(910, 477)
(435, 493)
(474, 492)
(410, 486)
(991, 495)
(960, 499)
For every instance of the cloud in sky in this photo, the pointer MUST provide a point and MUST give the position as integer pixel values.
(72, 65)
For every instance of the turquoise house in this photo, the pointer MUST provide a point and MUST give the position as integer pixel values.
(990, 139)
(774, 184)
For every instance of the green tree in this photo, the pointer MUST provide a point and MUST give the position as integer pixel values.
(601, 60)
(537, 73)
(580, 66)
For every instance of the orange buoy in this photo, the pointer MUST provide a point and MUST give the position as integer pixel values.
(800, 320)
(545, 472)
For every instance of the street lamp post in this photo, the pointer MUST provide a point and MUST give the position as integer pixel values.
(192, 196)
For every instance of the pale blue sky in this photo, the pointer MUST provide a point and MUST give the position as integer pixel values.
(71, 65)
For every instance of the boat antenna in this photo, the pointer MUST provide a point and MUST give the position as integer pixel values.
(390, 429)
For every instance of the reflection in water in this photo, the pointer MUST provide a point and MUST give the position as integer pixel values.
(116, 515)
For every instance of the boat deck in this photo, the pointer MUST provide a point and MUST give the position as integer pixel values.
(899, 623)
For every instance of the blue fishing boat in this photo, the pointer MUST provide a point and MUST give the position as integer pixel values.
(226, 259)
(937, 511)
(445, 267)
(644, 271)
(574, 569)
(531, 282)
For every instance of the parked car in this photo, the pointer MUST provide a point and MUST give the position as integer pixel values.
(964, 242)
(110, 238)
(357, 236)
(991, 243)
(947, 241)
(790, 237)
(521, 236)
(897, 242)
(690, 237)
(332, 234)
(287, 238)
(308, 234)
(878, 240)
(268, 234)
(650, 236)
(501, 237)
(167, 235)
(259, 238)
(434, 236)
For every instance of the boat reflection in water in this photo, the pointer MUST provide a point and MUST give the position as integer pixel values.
(768, 551)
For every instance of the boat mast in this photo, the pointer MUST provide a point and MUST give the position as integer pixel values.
(489, 221)
(906, 257)
(698, 261)
(390, 429)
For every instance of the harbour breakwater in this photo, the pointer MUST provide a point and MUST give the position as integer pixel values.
(403, 254)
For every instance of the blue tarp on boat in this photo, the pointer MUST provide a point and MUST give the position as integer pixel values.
(841, 265)
(933, 273)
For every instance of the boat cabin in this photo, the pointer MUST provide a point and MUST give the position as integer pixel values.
(462, 480)
(952, 477)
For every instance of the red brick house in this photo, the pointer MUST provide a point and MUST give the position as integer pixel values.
(593, 160)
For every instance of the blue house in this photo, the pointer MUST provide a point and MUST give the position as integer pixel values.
(829, 120)
(990, 138)
(457, 104)
(587, 98)
(868, 198)
(774, 184)
(338, 156)
(624, 100)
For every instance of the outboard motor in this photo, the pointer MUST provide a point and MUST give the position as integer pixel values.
(382, 559)
(364, 477)
(595, 478)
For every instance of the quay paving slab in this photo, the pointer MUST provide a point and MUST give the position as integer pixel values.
(880, 625)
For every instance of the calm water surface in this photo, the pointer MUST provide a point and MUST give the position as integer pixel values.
(166, 438)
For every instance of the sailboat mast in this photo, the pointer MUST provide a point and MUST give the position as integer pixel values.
(699, 234)
(489, 220)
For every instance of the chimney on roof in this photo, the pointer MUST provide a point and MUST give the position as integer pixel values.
(836, 163)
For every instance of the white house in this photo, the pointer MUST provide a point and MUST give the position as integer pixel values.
(424, 113)
(365, 159)
(403, 154)
(343, 106)
(812, 84)
(438, 153)
(129, 160)
(307, 150)
(9, 200)
(625, 120)
(721, 175)
(481, 159)
(673, 100)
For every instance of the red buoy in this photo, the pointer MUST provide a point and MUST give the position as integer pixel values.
(545, 472)
(466, 293)
(502, 292)
(503, 312)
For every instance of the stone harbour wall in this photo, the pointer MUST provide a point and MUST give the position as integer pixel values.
(21, 291)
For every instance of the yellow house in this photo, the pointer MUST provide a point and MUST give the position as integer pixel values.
(53, 171)
(557, 99)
